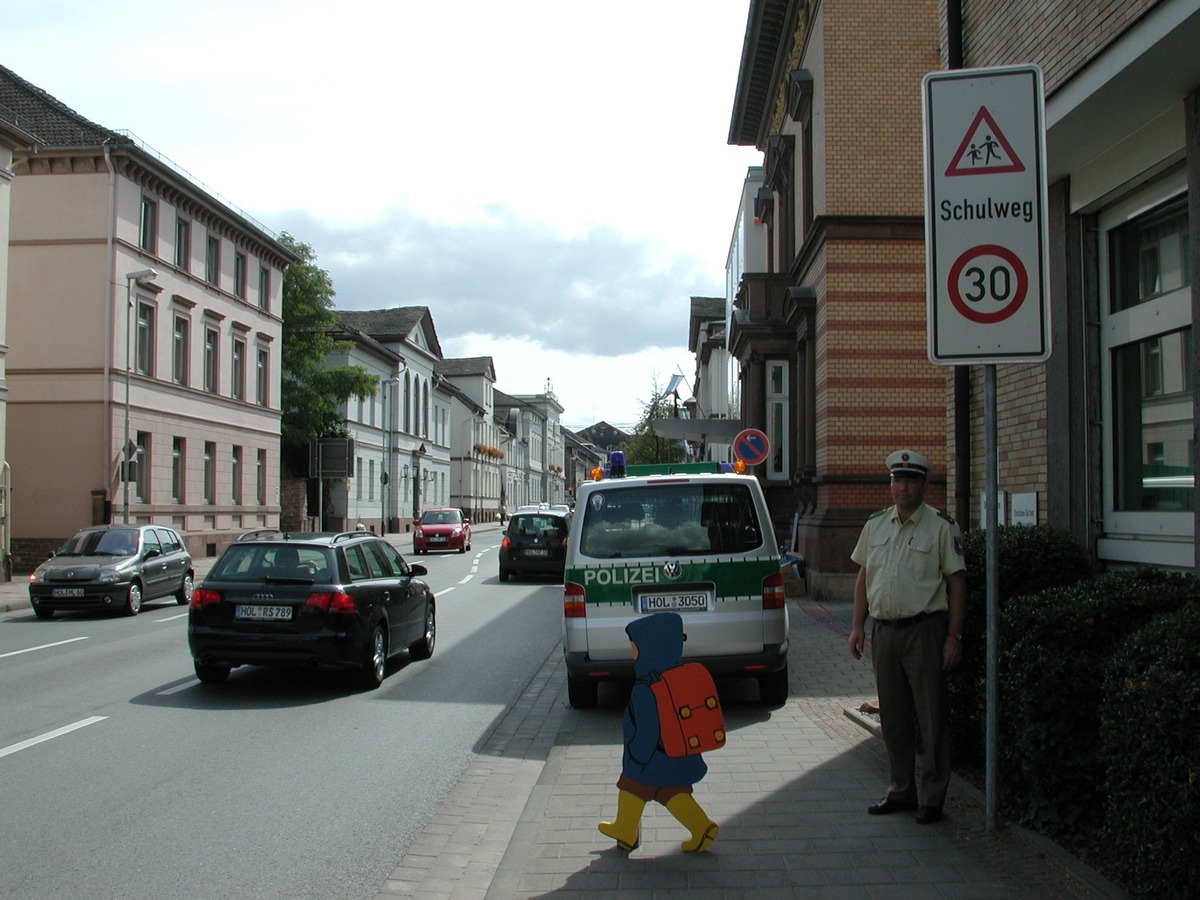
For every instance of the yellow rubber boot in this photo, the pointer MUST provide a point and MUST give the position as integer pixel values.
(626, 831)
(704, 830)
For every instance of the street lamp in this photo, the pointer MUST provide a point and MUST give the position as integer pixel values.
(142, 277)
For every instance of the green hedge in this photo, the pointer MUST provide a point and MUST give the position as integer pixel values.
(1031, 559)
(1150, 750)
(1055, 649)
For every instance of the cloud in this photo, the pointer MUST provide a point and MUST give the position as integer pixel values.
(596, 294)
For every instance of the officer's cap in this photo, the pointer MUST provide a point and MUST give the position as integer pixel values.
(909, 462)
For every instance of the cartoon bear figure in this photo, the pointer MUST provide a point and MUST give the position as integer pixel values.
(647, 773)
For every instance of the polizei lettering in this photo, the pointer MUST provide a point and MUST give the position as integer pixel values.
(980, 210)
(603, 577)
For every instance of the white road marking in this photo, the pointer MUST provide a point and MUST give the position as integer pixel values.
(179, 687)
(50, 735)
(42, 647)
(172, 618)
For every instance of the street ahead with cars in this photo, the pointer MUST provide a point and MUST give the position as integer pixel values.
(132, 778)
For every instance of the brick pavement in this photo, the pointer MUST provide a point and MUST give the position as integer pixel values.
(789, 791)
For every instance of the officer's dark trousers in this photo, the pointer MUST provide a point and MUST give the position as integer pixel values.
(912, 694)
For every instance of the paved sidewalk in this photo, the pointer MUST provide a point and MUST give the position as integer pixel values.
(789, 791)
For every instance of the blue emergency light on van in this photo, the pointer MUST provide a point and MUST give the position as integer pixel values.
(616, 464)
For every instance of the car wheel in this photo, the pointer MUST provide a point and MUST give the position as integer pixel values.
(43, 613)
(504, 574)
(375, 662)
(423, 649)
(211, 673)
(581, 694)
(463, 548)
(187, 587)
(773, 688)
(133, 601)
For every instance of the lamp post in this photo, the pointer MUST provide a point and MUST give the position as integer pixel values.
(142, 277)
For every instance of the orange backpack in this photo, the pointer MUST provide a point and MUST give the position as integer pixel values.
(690, 720)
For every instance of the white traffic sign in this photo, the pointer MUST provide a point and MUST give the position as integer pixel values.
(985, 216)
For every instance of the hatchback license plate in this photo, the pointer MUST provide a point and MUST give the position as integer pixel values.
(263, 612)
(674, 602)
(536, 551)
(66, 592)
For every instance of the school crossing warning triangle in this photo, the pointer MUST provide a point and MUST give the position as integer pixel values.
(984, 150)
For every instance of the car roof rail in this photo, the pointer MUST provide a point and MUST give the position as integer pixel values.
(259, 533)
(346, 535)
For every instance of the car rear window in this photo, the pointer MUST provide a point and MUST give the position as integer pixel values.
(681, 519)
(537, 526)
(254, 562)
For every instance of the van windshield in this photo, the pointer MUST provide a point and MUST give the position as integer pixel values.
(680, 519)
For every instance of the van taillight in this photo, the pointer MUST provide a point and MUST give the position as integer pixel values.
(333, 602)
(772, 592)
(203, 597)
(573, 604)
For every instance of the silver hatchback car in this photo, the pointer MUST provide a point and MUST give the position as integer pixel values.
(113, 567)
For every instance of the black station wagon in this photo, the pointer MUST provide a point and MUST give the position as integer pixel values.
(348, 600)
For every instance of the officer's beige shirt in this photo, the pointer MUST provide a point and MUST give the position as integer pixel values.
(907, 563)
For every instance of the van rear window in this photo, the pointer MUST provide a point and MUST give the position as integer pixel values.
(680, 519)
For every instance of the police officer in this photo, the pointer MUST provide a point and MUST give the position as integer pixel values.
(912, 581)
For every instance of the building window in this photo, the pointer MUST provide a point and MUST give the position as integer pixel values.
(144, 364)
(239, 275)
(260, 478)
(261, 374)
(238, 387)
(141, 471)
(264, 288)
(407, 404)
(178, 469)
(211, 348)
(183, 244)
(777, 418)
(179, 351)
(235, 471)
(210, 472)
(212, 259)
(1146, 368)
(148, 239)
(370, 479)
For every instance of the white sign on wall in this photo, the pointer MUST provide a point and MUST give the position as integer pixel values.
(985, 216)
(1024, 508)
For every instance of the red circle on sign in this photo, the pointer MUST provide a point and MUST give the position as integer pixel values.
(1018, 297)
(751, 446)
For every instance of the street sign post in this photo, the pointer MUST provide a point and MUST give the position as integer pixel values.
(985, 216)
(751, 446)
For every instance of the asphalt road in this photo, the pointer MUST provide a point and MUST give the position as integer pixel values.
(122, 776)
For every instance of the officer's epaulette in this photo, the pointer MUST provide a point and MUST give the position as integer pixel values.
(949, 518)
(877, 513)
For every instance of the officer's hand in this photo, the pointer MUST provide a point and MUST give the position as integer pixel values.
(856, 643)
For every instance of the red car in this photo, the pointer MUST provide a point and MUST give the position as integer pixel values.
(442, 529)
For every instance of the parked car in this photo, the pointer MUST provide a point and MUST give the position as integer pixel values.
(701, 545)
(534, 543)
(117, 567)
(442, 529)
(348, 600)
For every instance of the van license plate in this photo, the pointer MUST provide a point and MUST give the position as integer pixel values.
(674, 602)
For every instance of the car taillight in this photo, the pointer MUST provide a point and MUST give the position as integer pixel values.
(504, 545)
(203, 597)
(573, 604)
(331, 602)
(772, 592)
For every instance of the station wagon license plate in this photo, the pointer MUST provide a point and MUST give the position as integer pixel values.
(66, 592)
(691, 602)
(262, 612)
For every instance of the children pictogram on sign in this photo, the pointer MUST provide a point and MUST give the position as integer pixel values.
(648, 770)
(984, 150)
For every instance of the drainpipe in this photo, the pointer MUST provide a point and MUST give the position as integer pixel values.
(962, 374)
(109, 299)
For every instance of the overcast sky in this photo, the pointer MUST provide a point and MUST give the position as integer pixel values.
(551, 178)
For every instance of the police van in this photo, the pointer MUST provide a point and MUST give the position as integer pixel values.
(698, 543)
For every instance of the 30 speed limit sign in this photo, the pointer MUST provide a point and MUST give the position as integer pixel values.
(985, 216)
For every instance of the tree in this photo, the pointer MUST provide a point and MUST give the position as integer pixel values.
(312, 391)
(644, 445)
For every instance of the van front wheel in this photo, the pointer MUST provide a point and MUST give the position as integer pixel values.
(581, 694)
